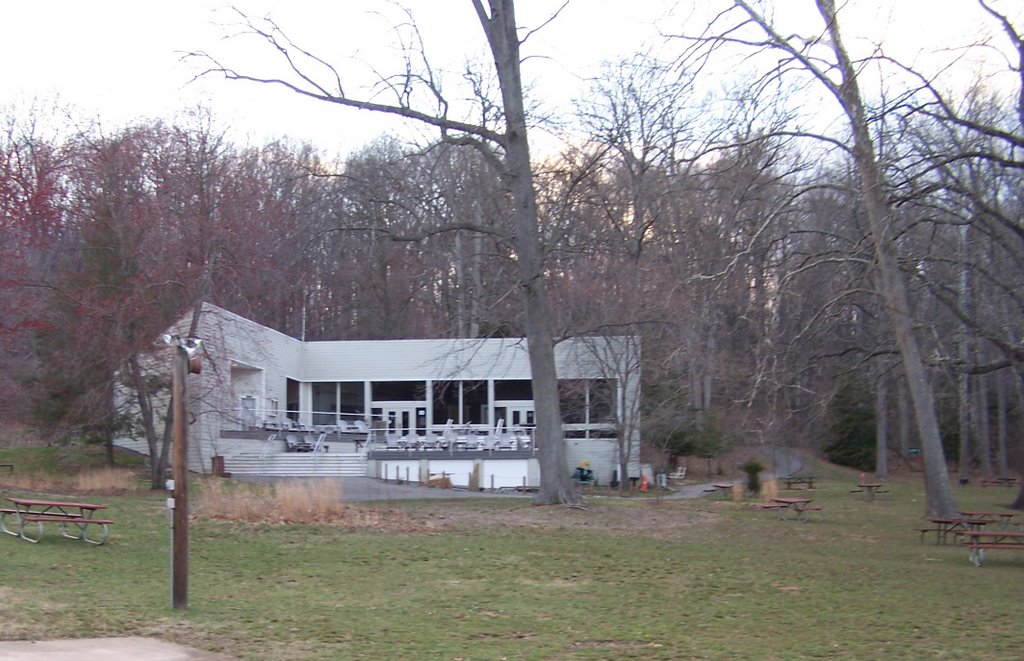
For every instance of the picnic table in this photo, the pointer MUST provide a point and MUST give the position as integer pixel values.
(999, 482)
(798, 507)
(722, 488)
(954, 527)
(806, 480)
(73, 518)
(869, 489)
(981, 540)
(1003, 518)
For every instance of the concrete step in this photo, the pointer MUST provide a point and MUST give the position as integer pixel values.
(298, 464)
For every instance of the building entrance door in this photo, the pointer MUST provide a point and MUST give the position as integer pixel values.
(515, 414)
(403, 419)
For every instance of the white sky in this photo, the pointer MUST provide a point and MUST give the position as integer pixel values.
(120, 60)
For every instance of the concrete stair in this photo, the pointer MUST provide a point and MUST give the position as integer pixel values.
(298, 464)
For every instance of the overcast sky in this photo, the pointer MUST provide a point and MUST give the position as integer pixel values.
(120, 60)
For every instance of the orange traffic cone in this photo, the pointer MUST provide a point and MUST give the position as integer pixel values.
(643, 483)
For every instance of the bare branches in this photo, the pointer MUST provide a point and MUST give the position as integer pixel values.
(1017, 41)
(313, 77)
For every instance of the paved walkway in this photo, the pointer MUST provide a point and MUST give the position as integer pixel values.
(357, 489)
(106, 649)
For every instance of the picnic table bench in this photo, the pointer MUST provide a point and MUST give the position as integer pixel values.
(993, 481)
(980, 540)
(9, 467)
(806, 480)
(73, 518)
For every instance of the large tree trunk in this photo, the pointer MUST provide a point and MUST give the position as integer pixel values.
(500, 26)
(939, 500)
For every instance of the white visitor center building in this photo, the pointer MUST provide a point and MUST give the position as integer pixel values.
(266, 403)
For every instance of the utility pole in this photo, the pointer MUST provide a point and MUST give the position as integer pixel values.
(184, 363)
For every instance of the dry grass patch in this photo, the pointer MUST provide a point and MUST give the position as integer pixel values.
(109, 481)
(295, 501)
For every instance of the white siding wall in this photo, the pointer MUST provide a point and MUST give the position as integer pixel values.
(228, 337)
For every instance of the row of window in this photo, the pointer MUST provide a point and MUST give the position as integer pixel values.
(583, 401)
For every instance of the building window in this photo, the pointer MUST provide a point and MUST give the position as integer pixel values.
(399, 391)
(462, 402)
(325, 404)
(587, 401)
(513, 389)
(602, 401)
(353, 398)
(572, 400)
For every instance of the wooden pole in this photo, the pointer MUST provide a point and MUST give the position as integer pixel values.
(179, 563)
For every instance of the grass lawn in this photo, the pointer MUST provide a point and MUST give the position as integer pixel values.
(495, 579)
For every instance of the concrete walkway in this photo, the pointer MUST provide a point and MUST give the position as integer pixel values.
(361, 489)
(108, 649)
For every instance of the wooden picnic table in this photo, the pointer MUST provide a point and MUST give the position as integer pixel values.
(952, 527)
(798, 507)
(806, 480)
(943, 527)
(1003, 518)
(981, 540)
(723, 488)
(869, 489)
(998, 482)
(72, 516)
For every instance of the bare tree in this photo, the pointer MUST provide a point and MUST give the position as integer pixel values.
(827, 60)
(506, 149)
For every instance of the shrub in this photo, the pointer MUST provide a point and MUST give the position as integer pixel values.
(753, 469)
